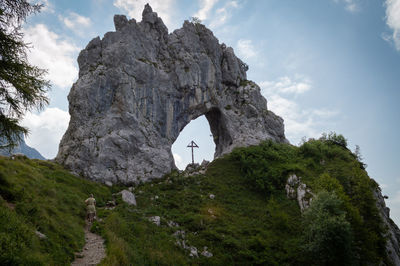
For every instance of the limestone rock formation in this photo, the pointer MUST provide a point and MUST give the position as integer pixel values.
(393, 232)
(139, 86)
(295, 189)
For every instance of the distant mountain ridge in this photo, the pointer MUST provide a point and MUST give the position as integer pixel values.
(22, 148)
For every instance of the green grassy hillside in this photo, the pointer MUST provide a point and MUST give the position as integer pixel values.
(247, 220)
(41, 196)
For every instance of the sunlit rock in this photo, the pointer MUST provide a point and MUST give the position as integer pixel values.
(139, 86)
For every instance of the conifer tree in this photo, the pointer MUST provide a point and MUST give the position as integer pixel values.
(22, 85)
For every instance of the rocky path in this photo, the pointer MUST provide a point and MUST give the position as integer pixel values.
(93, 251)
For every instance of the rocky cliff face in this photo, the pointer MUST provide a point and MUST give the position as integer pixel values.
(139, 86)
(393, 232)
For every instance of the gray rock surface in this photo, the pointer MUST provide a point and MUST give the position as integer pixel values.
(206, 253)
(393, 233)
(155, 219)
(295, 189)
(180, 236)
(128, 197)
(139, 86)
(40, 235)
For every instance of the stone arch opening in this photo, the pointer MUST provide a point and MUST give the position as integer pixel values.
(219, 130)
(198, 130)
(209, 131)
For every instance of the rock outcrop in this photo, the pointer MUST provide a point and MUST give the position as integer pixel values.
(139, 86)
(295, 189)
(393, 232)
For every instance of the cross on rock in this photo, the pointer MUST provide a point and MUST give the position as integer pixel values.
(192, 145)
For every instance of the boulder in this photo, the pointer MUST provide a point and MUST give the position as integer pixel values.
(128, 197)
(155, 219)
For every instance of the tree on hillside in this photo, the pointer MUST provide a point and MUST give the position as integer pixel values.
(327, 233)
(22, 85)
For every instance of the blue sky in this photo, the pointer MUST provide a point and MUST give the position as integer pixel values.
(323, 65)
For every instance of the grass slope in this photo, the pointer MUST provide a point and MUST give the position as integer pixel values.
(250, 221)
(40, 195)
(231, 225)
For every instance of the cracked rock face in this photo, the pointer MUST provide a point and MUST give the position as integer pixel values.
(393, 232)
(139, 86)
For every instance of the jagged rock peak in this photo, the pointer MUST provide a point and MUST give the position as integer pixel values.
(139, 86)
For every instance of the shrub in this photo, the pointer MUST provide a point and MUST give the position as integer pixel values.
(327, 233)
(334, 138)
(267, 165)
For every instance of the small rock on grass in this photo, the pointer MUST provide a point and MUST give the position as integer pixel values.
(40, 235)
(155, 219)
(128, 197)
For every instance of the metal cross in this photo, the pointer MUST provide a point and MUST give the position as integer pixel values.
(192, 145)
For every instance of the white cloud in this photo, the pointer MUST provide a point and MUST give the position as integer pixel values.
(50, 52)
(299, 121)
(350, 5)
(179, 161)
(287, 85)
(46, 130)
(134, 8)
(393, 21)
(222, 14)
(245, 49)
(77, 23)
(206, 6)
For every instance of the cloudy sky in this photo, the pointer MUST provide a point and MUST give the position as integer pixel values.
(323, 65)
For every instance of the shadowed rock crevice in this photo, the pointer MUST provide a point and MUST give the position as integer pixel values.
(139, 86)
(218, 127)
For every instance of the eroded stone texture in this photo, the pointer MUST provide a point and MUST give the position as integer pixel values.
(393, 232)
(295, 189)
(139, 86)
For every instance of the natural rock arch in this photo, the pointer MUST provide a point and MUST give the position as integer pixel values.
(139, 87)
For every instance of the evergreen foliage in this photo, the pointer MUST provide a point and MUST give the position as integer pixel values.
(22, 85)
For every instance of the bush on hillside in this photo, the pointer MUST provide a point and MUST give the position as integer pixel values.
(327, 233)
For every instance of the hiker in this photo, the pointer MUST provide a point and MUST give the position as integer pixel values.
(91, 209)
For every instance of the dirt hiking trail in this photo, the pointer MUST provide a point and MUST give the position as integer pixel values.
(93, 251)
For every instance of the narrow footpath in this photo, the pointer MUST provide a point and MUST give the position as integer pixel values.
(93, 251)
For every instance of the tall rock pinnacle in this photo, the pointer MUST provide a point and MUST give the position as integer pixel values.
(139, 87)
